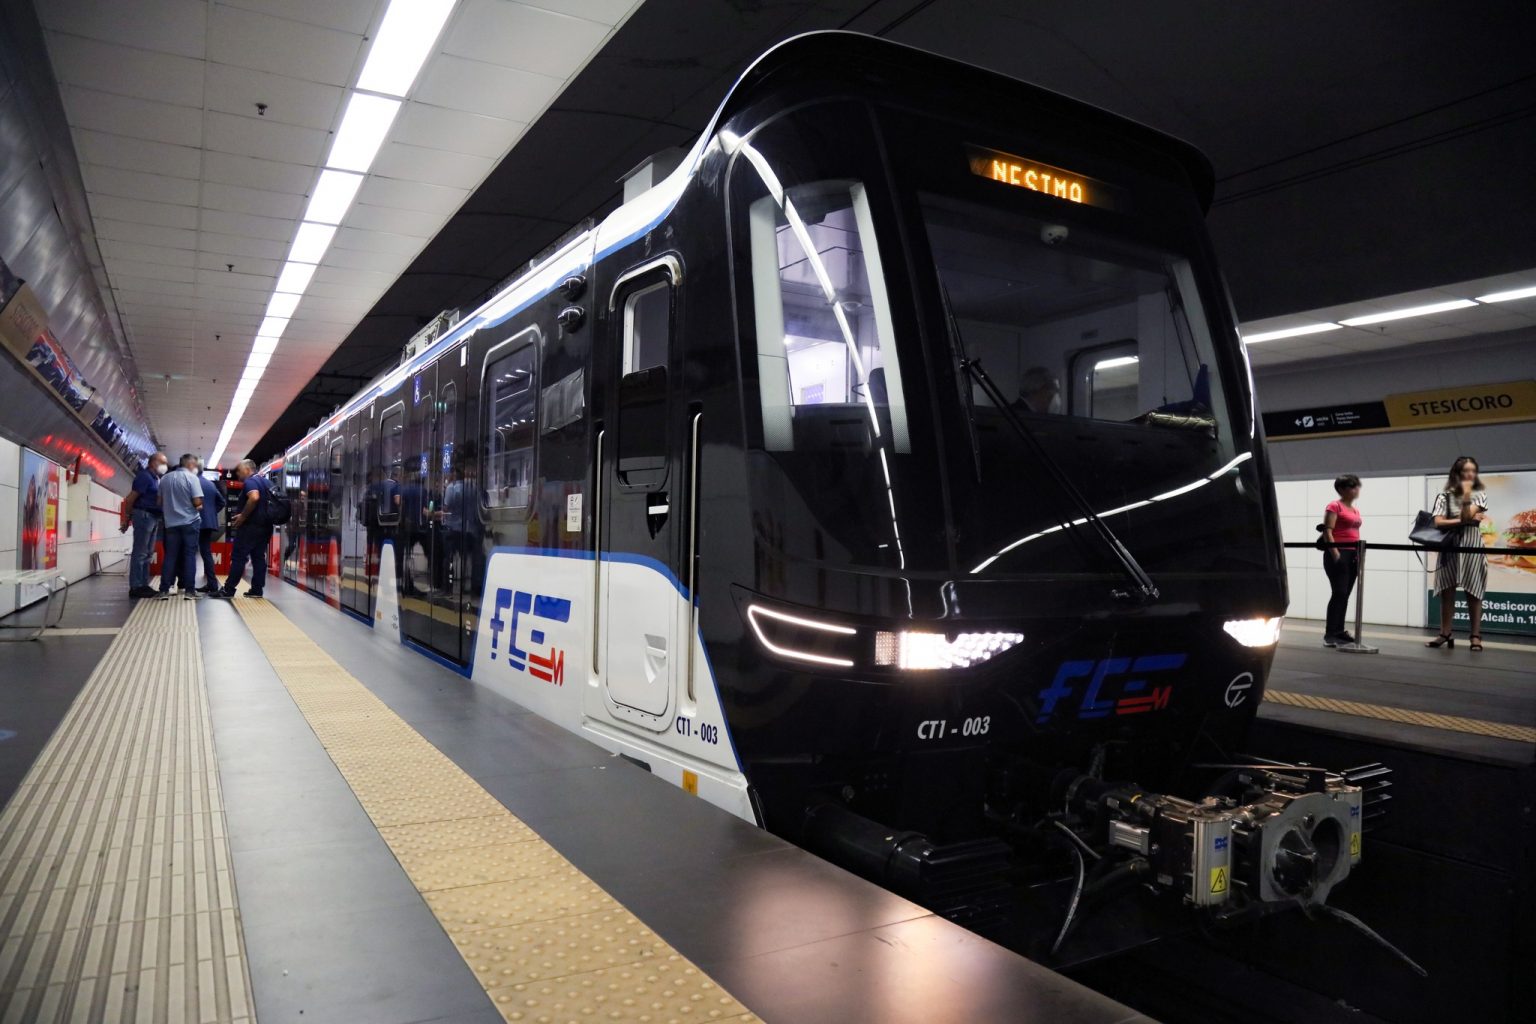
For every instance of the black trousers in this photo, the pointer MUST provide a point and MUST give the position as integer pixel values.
(1342, 573)
(205, 548)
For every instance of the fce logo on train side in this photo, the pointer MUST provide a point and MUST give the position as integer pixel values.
(547, 664)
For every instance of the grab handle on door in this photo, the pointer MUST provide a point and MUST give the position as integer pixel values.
(693, 552)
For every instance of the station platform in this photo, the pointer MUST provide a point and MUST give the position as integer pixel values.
(259, 810)
(1479, 704)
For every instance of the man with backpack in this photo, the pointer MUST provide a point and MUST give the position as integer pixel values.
(260, 511)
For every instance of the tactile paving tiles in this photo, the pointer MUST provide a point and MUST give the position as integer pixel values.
(547, 943)
(116, 896)
(1407, 716)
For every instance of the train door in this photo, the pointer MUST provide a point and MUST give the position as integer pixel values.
(419, 505)
(447, 526)
(331, 520)
(354, 593)
(391, 478)
(640, 609)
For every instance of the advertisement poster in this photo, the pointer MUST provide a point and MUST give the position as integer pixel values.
(1509, 606)
(39, 519)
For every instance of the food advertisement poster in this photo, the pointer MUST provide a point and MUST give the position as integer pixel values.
(39, 519)
(1509, 605)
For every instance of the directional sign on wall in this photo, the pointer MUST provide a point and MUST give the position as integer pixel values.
(1512, 402)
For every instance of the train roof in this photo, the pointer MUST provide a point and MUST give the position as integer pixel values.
(849, 53)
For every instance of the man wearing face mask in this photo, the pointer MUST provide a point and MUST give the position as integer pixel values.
(141, 510)
(1039, 393)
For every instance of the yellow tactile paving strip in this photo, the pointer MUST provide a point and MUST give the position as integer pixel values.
(1452, 723)
(546, 942)
(116, 899)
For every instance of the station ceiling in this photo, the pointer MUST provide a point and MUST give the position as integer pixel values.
(1361, 150)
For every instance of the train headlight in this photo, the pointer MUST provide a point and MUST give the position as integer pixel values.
(803, 638)
(919, 651)
(1255, 632)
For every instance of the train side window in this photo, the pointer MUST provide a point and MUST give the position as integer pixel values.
(825, 336)
(510, 403)
(391, 464)
(1106, 382)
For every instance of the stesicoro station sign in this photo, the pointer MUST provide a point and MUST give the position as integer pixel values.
(1514, 402)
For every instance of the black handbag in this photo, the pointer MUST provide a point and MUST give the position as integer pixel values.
(1322, 537)
(1425, 531)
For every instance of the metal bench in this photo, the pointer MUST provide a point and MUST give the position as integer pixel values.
(53, 583)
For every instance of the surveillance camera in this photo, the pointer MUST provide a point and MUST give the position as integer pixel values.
(1053, 234)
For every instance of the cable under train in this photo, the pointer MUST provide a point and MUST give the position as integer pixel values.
(887, 473)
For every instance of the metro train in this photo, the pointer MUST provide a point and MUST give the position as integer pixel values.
(886, 473)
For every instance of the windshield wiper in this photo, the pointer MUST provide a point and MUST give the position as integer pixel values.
(958, 343)
(1145, 589)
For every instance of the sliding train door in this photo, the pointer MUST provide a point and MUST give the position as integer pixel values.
(446, 485)
(642, 616)
(354, 585)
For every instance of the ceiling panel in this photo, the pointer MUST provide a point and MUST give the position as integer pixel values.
(258, 173)
(411, 195)
(221, 245)
(432, 166)
(252, 135)
(128, 115)
(167, 26)
(518, 36)
(353, 16)
(455, 130)
(490, 89)
(126, 71)
(134, 154)
(234, 90)
(139, 211)
(282, 46)
(113, 181)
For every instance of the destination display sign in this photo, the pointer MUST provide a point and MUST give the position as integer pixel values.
(1511, 402)
(1022, 172)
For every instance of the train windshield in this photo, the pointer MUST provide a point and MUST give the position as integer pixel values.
(1099, 347)
(875, 446)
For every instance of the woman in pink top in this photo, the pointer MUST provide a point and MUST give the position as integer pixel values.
(1341, 525)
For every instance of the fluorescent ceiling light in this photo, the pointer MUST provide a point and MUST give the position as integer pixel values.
(264, 346)
(332, 195)
(405, 39)
(311, 241)
(258, 361)
(1110, 364)
(362, 131)
(1403, 314)
(282, 304)
(272, 327)
(1289, 332)
(295, 278)
(1510, 296)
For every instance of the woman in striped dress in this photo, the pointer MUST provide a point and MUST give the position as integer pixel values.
(1460, 508)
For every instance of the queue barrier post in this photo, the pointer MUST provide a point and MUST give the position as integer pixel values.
(1358, 645)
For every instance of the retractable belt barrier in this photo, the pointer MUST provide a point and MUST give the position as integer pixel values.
(1359, 647)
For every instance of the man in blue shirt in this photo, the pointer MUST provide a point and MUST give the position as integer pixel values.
(253, 532)
(213, 504)
(141, 510)
(181, 508)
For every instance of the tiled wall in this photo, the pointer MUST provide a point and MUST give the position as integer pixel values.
(75, 543)
(1395, 583)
